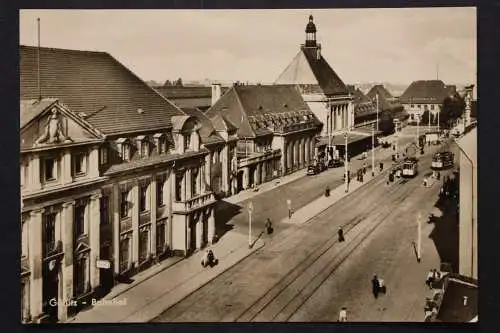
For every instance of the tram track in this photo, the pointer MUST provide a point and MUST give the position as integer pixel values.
(354, 217)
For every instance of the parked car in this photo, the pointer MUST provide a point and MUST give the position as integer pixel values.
(335, 163)
(313, 169)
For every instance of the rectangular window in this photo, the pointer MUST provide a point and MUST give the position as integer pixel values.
(79, 164)
(143, 198)
(104, 155)
(432, 106)
(124, 204)
(79, 220)
(419, 106)
(50, 232)
(160, 237)
(178, 187)
(125, 152)
(412, 106)
(187, 141)
(144, 148)
(160, 183)
(194, 182)
(49, 165)
(124, 254)
(104, 209)
(24, 239)
(143, 244)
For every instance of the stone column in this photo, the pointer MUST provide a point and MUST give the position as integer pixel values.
(153, 210)
(284, 156)
(135, 223)
(256, 174)
(189, 193)
(183, 185)
(35, 170)
(94, 162)
(301, 152)
(66, 167)
(94, 239)
(208, 168)
(199, 230)
(115, 206)
(211, 225)
(265, 165)
(35, 258)
(307, 150)
(67, 221)
(202, 178)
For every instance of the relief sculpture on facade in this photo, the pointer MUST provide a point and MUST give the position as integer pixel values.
(53, 131)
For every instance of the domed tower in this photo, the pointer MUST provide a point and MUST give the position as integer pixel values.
(310, 33)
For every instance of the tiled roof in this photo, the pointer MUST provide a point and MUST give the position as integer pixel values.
(430, 91)
(362, 104)
(221, 123)
(31, 108)
(257, 109)
(207, 131)
(385, 100)
(328, 80)
(172, 92)
(307, 71)
(203, 102)
(96, 84)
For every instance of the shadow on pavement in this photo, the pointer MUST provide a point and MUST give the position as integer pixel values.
(445, 233)
(224, 213)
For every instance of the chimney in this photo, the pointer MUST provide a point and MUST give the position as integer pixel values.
(216, 92)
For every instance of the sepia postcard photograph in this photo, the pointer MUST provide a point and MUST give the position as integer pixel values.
(291, 165)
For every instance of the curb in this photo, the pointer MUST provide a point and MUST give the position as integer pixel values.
(257, 246)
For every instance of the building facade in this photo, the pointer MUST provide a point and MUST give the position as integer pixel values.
(468, 246)
(322, 89)
(423, 96)
(275, 131)
(113, 179)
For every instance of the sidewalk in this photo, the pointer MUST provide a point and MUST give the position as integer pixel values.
(141, 302)
(175, 278)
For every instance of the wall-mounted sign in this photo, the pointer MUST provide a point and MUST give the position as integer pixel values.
(106, 264)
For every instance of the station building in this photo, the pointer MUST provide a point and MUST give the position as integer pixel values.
(114, 177)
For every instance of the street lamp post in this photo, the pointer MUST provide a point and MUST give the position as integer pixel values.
(419, 236)
(346, 164)
(418, 127)
(250, 209)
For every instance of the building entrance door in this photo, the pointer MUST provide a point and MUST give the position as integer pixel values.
(106, 274)
(50, 290)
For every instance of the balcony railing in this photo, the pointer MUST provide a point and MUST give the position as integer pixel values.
(194, 203)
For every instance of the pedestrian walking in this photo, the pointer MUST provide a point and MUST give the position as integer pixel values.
(425, 182)
(430, 278)
(381, 165)
(343, 314)
(340, 233)
(375, 286)
(269, 227)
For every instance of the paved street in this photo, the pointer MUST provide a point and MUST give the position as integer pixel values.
(272, 204)
(303, 275)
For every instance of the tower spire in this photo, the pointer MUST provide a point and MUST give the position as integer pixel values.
(311, 32)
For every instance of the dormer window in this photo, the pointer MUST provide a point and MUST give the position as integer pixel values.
(103, 152)
(160, 143)
(143, 145)
(124, 148)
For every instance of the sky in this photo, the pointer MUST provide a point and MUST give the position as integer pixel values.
(361, 45)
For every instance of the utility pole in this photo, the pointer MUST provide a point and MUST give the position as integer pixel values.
(250, 209)
(346, 164)
(373, 151)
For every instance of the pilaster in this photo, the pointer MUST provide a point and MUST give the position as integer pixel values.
(153, 210)
(211, 225)
(94, 239)
(35, 171)
(94, 162)
(116, 228)
(67, 232)
(35, 259)
(135, 222)
(66, 167)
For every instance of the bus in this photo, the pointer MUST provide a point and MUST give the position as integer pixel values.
(410, 167)
(442, 160)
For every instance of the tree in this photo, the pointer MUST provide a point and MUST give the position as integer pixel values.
(424, 119)
(386, 122)
(167, 83)
(452, 109)
(178, 83)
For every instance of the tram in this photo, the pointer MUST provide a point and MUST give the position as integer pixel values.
(442, 160)
(410, 167)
